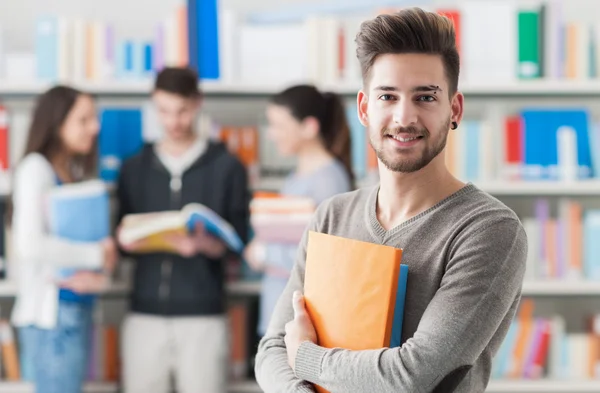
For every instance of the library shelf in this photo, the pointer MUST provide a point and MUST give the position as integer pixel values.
(561, 288)
(498, 187)
(249, 386)
(543, 386)
(25, 387)
(8, 288)
(141, 87)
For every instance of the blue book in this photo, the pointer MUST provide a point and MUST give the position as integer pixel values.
(192, 6)
(79, 212)
(540, 145)
(208, 39)
(46, 48)
(120, 138)
(358, 136)
(396, 339)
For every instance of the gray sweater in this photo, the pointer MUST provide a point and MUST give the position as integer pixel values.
(466, 259)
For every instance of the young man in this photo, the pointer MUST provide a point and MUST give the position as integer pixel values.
(178, 322)
(465, 250)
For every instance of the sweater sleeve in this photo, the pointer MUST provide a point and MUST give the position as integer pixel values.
(31, 238)
(481, 286)
(272, 370)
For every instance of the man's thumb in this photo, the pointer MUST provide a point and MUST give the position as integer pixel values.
(298, 303)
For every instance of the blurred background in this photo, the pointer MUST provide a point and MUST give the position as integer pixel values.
(528, 69)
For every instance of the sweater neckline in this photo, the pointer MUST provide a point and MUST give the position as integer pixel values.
(381, 234)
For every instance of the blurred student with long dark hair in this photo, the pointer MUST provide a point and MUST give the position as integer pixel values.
(311, 126)
(54, 316)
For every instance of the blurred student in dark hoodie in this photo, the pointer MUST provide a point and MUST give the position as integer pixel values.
(177, 324)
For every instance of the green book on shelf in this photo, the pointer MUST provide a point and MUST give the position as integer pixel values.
(529, 43)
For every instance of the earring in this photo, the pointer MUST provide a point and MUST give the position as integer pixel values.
(454, 125)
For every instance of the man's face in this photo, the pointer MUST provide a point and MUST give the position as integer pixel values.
(176, 114)
(407, 110)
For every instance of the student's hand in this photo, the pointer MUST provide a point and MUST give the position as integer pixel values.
(129, 247)
(86, 282)
(298, 330)
(184, 245)
(253, 255)
(208, 244)
(111, 255)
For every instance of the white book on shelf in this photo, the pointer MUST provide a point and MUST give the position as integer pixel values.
(2, 53)
(78, 53)
(64, 38)
(228, 45)
(274, 55)
(532, 230)
(489, 34)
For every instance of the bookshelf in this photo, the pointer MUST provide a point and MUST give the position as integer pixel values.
(25, 387)
(544, 386)
(107, 387)
(142, 87)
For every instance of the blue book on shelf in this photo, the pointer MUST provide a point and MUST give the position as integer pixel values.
(471, 139)
(192, 6)
(396, 339)
(79, 212)
(148, 59)
(591, 244)
(208, 39)
(46, 48)
(120, 138)
(541, 150)
(358, 136)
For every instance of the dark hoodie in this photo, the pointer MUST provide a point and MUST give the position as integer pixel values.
(165, 283)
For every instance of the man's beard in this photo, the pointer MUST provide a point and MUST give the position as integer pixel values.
(415, 164)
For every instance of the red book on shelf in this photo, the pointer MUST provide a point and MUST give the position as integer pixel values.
(4, 148)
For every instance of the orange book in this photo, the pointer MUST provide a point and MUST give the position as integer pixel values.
(111, 353)
(10, 356)
(526, 322)
(354, 292)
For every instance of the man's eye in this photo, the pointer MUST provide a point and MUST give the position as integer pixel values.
(426, 98)
(386, 97)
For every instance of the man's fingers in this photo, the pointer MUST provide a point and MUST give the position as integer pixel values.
(298, 304)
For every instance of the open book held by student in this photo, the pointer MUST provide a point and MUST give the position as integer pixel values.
(354, 293)
(153, 228)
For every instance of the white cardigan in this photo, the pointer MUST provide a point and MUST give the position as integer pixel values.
(37, 253)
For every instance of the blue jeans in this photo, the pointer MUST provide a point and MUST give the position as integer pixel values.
(56, 360)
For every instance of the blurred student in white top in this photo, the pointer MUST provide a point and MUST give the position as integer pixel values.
(54, 317)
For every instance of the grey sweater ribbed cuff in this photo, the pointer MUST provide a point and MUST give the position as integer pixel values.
(308, 361)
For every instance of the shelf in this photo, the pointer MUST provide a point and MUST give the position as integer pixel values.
(25, 387)
(559, 188)
(244, 387)
(561, 288)
(543, 386)
(118, 289)
(507, 188)
(143, 87)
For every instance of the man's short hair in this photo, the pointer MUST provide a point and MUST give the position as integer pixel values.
(411, 30)
(182, 81)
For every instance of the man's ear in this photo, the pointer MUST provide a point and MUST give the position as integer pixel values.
(457, 108)
(362, 103)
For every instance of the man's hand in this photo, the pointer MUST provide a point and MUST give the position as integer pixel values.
(298, 330)
(208, 244)
(200, 242)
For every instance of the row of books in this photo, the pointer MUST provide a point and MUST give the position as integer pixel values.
(499, 40)
(75, 49)
(537, 143)
(537, 347)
